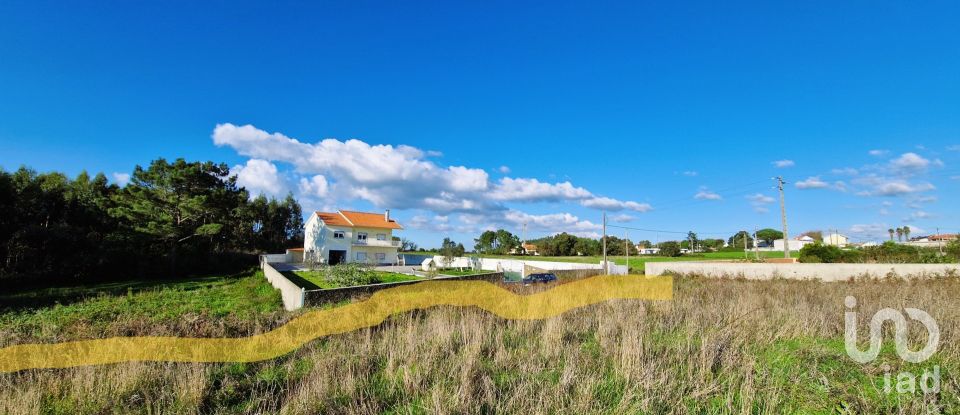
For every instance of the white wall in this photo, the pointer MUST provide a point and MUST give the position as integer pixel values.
(794, 244)
(825, 272)
(291, 294)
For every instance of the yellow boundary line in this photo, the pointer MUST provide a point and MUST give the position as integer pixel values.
(318, 323)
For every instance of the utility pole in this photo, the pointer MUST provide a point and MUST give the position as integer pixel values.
(605, 268)
(939, 241)
(783, 217)
(756, 247)
(626, 246)
(746, 246)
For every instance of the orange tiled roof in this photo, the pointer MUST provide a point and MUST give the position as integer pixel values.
(370, 220)
(358, 219)
(333, 219)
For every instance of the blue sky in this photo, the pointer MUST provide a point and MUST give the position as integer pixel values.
(668, 116)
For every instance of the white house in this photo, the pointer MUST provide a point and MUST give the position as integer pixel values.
(647, 250)
(345, 236)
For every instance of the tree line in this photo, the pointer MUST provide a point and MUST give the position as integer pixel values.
(502, 242)
(171, 219)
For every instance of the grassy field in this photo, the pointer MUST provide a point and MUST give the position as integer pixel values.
(459, 273)
(313, 280)
(721, 346)
(200, 307)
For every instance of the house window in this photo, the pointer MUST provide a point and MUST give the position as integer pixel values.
(381, 237)
(361, 256)
(361, 236)
(337, 234)
(381, 257)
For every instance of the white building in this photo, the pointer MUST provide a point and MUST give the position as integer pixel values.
(836, 239)
(345, 236)
(793, 244)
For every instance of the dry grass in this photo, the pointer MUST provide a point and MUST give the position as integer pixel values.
(720, 347)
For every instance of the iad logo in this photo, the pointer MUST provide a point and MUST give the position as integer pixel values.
(906, 381)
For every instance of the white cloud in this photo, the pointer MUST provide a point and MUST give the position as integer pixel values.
(554, 222)
(706, 194)
(121, 179)
(761, 198)
(399, 177)
(504, 169)
(606, 203)
(897, 187)
(910, 162)
(812, 182)
(955, 147)
(315, 186)
(783, 163)
(690, 173)
(260, 177)
(878, 153)
(622, 218)
(529, 190)
(847, 171)
(759, 202)
(869, 230)
(919, 214)
(333, 172)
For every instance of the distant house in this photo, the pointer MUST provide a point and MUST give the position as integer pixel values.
(530, 249)
(836, 239)
(930, 241)
(344, 236)
(647, 250)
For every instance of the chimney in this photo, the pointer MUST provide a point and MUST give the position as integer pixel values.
(386, 215)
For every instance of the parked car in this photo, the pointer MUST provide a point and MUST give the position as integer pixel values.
(543, 277)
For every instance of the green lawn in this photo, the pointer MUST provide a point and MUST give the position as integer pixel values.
(213, 305)
(313, 280)
(458, 273)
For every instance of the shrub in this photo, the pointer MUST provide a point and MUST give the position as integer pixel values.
(810, 259)
(350, 274)
(670, 249)
(891, 252)
(824, 253)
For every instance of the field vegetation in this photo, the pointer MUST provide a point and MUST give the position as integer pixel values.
(344, 275)
(721, 346)
(236, 305)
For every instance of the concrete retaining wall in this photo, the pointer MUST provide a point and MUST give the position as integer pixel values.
(824, 272)
(315, 298)
(291, 294)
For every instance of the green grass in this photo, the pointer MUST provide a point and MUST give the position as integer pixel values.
(459, 273)
(313, 280)
(129, 307)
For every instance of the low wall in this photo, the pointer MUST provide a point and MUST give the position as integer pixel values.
(275, 258)
(291, 294)
(824, 272)
(315, 298)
